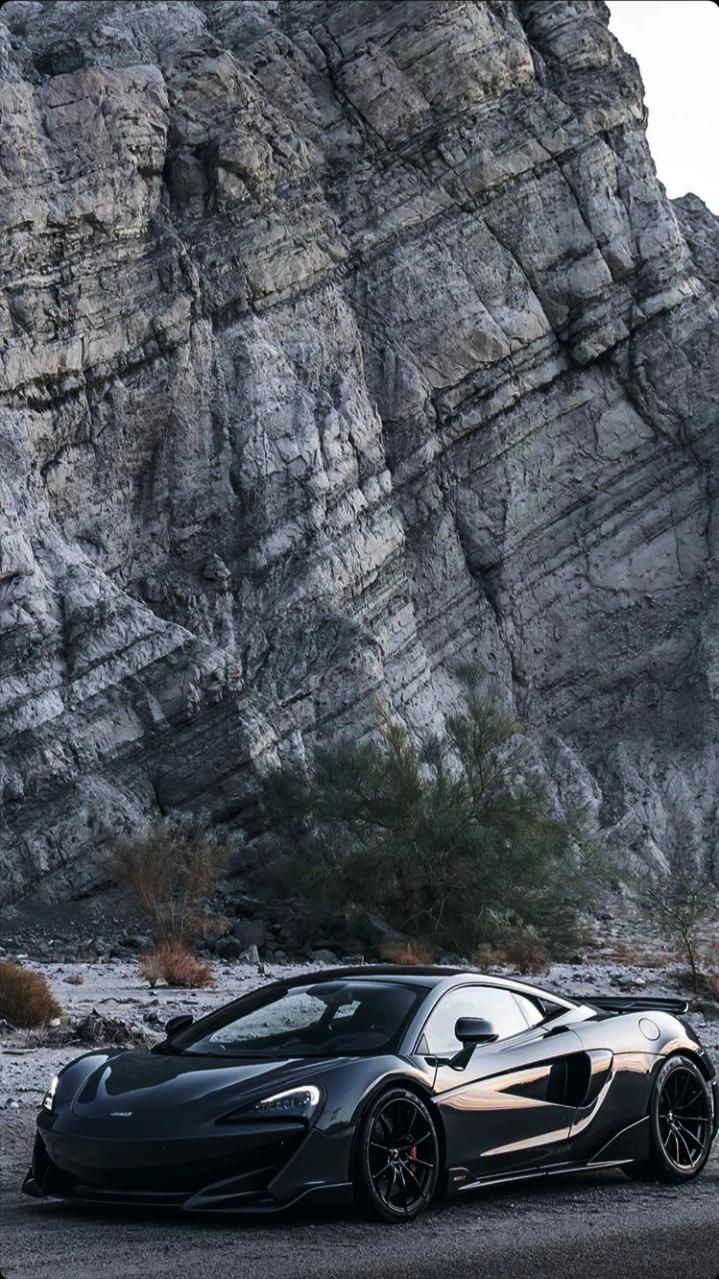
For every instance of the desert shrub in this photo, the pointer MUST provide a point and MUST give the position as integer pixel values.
(638, 956)
(521, 949)
(176, 965)
(25, 997)
(75, 979)
(449, 839)
(525, 950)
(710, 983)
(487, 956)
(170, 870)
(412, 952)
(681, 901)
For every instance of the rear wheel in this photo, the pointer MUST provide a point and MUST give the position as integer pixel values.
(681, 1120)
(397, 1157)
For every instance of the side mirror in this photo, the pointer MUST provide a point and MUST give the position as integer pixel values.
(176, 1024)
(471, 1031)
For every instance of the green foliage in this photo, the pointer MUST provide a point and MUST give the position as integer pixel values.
(170, 870)
(451, 840)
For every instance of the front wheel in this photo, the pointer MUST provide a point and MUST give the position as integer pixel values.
(397, 1157)
(681, 1120)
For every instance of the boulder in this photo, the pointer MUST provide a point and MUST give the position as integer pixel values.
(250, 932)
(228, 948)
(98, 1030)
(214, 927)
(137, 941)
(379, 933)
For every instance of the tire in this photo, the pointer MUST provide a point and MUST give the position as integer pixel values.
(397, 1159)
(681, 1124)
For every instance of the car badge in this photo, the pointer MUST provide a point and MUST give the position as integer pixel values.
(120, 1114)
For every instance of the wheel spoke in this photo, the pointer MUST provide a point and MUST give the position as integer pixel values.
(681, 1138)
(679, 1086)
(415, 1179)
(685, 1104)
(406, 1136)
(694, 1137)
(417, 1141)
(388, 1125)
(687, 1124)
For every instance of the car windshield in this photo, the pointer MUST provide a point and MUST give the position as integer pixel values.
(322, 1019)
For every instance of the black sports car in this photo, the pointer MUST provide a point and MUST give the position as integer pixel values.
(388, 1084)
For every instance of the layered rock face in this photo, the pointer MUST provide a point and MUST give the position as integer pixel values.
(341, 342)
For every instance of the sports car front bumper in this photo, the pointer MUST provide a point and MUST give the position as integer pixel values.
(257, 1168)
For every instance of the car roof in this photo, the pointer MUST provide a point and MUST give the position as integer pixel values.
(428, 976)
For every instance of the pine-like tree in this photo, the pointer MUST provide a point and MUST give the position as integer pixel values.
(451, 839)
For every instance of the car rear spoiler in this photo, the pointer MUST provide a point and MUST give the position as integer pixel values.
(636, 1003)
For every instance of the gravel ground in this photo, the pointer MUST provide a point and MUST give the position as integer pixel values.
(599, 1225)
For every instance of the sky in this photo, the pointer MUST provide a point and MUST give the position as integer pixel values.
(676, 43)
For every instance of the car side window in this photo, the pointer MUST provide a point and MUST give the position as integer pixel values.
(494, 1005)
(532, 1011)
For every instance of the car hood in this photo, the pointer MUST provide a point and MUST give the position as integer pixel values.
(147, 1087)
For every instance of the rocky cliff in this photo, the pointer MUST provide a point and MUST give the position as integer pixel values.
(340, 341)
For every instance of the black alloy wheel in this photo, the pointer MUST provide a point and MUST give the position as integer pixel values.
(397, 1157)
(682, 1123)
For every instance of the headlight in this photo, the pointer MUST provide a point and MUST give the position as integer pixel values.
(48, 1101)
(294, 1103)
